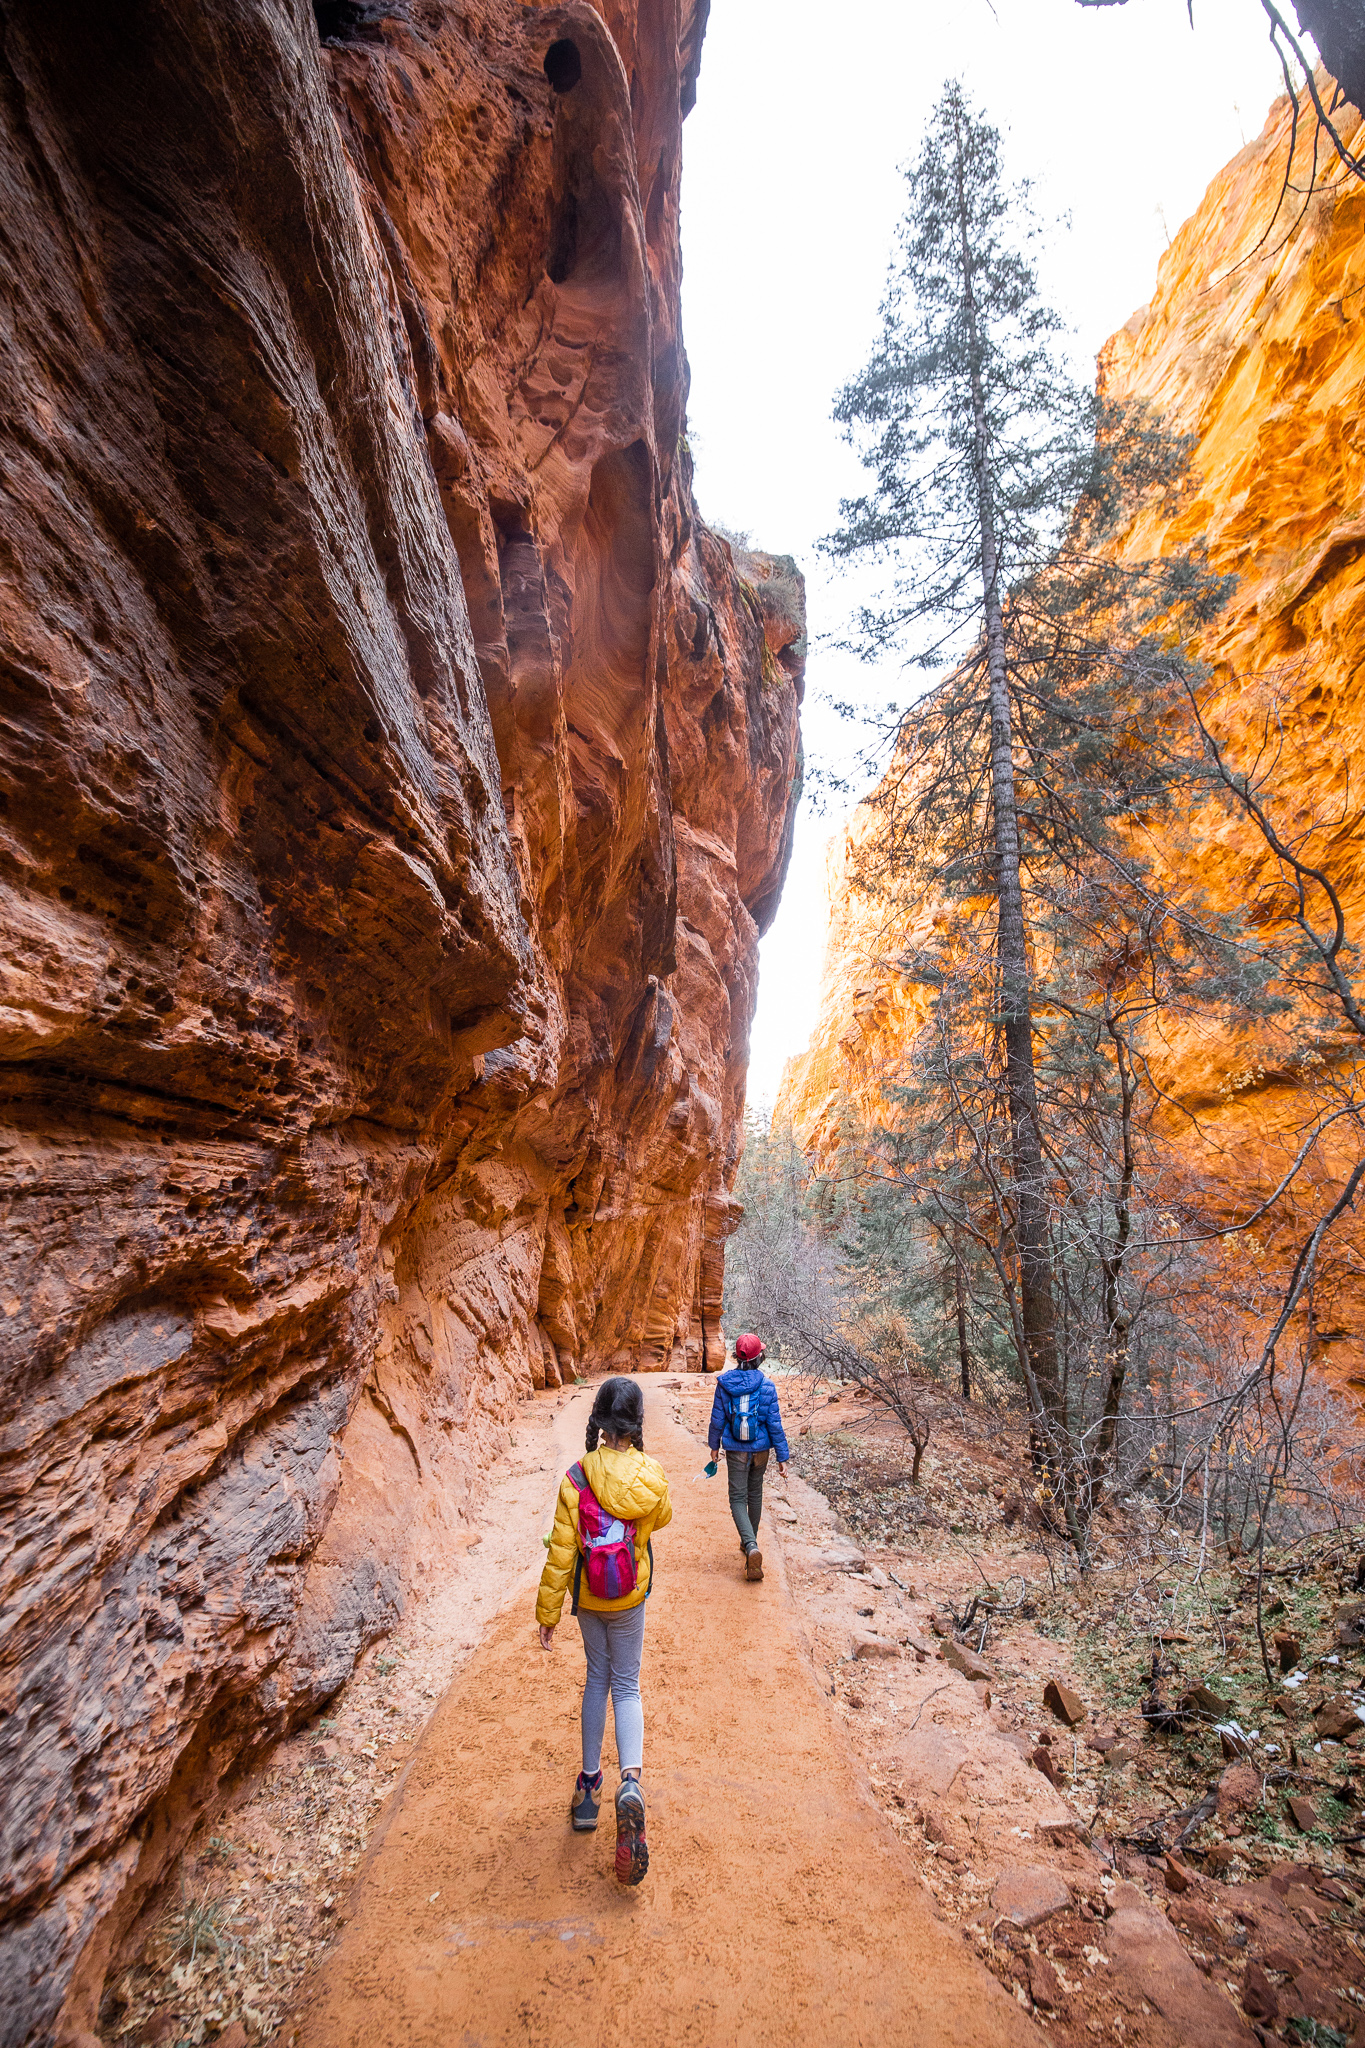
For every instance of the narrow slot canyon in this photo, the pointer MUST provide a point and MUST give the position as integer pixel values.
(399, 776)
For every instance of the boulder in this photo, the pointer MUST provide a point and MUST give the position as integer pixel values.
(1029, 1894)
(1259, 1998)
(1239, 1790)
(935, 1825)
(1304, 1814)
(866, 1645)
(1065, 1704)
(1197, 1920)
(1042, 1760)
(1201, 1702)
(1351, 1625)
(1145, 1951)
(1337, 1718)
(985, 1772)
(1044, 1985)
(930, 1760)
(965, 1660)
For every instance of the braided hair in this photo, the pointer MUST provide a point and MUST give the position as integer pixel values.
(619, 1410)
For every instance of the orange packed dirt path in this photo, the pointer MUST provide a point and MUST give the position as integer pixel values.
(779, 1905)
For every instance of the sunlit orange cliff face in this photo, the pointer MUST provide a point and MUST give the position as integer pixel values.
(1254, 344)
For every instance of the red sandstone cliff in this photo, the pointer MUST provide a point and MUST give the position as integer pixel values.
(396, 778)
(1254, 344)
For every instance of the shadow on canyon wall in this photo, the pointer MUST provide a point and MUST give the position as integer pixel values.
(397, 775)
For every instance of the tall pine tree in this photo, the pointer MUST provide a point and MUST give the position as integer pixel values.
(979, 442)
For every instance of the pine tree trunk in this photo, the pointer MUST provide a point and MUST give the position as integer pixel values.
(1115, 1319)
(963, 1355)
(1031, 1191)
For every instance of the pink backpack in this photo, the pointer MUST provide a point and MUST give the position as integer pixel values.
(608, 1545)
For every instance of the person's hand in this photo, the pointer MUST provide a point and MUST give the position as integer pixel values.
(547, 1637)
(783, 1470)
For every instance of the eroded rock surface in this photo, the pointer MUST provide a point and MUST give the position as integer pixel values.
(396, 778)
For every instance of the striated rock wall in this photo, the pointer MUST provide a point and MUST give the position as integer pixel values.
(1253, 343)
(396, 778)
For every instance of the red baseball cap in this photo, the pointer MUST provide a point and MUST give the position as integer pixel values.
(748, 1346)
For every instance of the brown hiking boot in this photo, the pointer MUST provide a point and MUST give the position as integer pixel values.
(632, 1850)
(753, 1564)
(587, 1798)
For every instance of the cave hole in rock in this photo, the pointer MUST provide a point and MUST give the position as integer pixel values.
(563, 65)
(351, 21)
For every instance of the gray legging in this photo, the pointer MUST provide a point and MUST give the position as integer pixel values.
(744, 1474)
(613, 1644)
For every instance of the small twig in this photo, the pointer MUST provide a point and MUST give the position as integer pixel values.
(1203, 1521)
(925, 1701)
(980, 1574)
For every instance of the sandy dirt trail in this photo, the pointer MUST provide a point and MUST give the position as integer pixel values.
(779, 1906)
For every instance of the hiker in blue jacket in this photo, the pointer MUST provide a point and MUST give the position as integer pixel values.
(747, 1421)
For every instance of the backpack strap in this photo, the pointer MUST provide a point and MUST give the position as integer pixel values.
(578, 1479)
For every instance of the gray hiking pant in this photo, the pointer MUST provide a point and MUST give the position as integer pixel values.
(744, 1474)
(613, 1645)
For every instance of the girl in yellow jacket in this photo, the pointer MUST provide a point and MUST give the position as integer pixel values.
(610, 1490)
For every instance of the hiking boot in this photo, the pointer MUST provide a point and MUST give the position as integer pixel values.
(632, 1851)
(753, 1564)
(587, 1798)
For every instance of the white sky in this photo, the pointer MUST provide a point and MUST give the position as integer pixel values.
(791, 190)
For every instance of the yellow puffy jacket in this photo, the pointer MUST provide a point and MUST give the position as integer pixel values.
(630, 1486)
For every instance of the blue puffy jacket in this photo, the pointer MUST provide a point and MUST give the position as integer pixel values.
(731, 1415)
